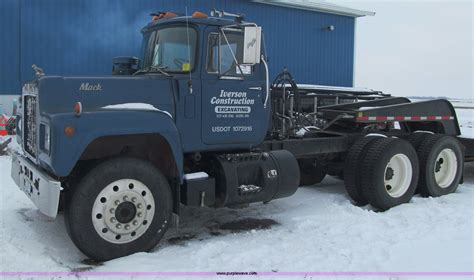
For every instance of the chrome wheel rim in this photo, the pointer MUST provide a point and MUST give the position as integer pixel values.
(445, 168)
(398, 175)
(123, 211)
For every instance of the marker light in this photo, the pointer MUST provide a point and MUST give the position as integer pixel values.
(69, 131)
(78, 108)
(163, 15)
(198, 14)
(169, 15)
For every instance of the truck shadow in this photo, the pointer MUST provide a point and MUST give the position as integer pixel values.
(198, 224)
(469, 172)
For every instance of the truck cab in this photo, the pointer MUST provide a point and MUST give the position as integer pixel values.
(215, 65)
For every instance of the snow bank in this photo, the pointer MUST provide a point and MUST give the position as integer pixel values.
(333, 88)
(466, 121)
(194, 176)
(302, 131)
(13, 146)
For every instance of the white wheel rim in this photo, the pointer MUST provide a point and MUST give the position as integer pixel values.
(445, 168)
(398, 175)
(123, 211)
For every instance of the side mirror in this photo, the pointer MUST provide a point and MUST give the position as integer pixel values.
(252, 43)
(124, 65)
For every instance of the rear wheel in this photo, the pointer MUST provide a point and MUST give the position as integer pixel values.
(390, 173)
(310, 174)
(120, 207)
(352, 169)
(441, 165)
(417, 138)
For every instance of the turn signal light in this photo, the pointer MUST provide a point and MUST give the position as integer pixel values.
(69, 131)
(198, 14)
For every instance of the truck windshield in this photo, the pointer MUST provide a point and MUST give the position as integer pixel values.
(173, 49)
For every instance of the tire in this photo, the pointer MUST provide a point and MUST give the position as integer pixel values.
(309, 173)
(417, 138)
(441, 165)
(352, 169)
(141, 198)
(390, 173)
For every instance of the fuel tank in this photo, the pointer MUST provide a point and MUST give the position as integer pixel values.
(254, 177)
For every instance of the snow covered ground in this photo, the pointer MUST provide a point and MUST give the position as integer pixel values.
(317, 229)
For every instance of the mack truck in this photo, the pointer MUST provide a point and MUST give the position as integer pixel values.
(197, 121)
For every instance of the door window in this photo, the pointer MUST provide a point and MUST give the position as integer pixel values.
(225, 54)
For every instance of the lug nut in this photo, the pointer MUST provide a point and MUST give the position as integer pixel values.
(139, 214)
(135, 223)
(119, 226)
(125, 198)
(113, 220)
(139, 206)
(117, 202)
(112, 210)
(127, 227)
(134, 199)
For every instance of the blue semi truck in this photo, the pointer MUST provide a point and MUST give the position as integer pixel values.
(196, 121)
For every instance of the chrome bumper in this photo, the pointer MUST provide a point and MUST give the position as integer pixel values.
(37, 185)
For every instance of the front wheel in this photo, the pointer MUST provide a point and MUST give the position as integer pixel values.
(121, 207)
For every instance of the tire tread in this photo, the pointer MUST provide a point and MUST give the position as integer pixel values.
(352, 168)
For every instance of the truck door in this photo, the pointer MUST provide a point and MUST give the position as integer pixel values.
(232, 93)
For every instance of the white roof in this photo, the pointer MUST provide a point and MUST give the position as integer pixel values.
(317, 6)
(333, 88)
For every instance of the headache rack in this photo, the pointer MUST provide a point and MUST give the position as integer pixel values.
(301, 111)
(296, 106)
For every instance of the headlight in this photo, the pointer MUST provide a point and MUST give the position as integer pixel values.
(45, 140)
(18, 129)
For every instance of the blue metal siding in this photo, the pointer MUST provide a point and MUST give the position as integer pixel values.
(80, 37)
(9, 46)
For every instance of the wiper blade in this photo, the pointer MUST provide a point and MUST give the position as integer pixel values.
(140, 72)
(160, 69)
(153, 69)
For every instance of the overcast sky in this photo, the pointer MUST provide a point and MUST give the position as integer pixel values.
(415, 48)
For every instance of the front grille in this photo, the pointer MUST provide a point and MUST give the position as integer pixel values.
(29, 125)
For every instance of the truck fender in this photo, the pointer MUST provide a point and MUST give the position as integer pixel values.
(67, 150)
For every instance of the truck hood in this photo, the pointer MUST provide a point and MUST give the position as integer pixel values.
(60, 94)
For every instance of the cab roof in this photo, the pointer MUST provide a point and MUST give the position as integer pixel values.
(215, 21)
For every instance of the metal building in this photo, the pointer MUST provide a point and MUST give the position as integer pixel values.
(315, 41)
